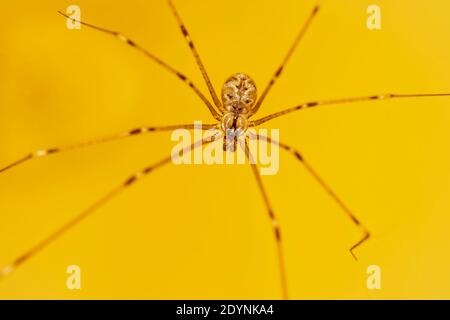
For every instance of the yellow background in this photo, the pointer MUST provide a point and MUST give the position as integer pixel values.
(202, 231)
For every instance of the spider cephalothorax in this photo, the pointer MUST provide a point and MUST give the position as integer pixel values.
(238, 98)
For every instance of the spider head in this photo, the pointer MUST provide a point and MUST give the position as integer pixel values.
(239, 94)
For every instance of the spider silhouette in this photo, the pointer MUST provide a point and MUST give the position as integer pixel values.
(233, 113)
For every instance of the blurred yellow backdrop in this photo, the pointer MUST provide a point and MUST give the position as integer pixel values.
(179, 233)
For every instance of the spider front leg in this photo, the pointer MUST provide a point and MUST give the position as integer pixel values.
(130, 133)
(199, 62)
(325, 186)
(280, 69)
(273, 219)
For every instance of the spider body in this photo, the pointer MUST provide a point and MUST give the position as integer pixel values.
(232, 112)
(239, 96)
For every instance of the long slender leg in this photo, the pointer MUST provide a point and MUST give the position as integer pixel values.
(280, 69)
(131, 133)
(131, 180)
(326, 187)
(188, 38)
(133, 44)
(342, 101)
(273, 220)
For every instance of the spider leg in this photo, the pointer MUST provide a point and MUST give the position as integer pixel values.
(133, 44)
(326, 187)
(273, 220)
(199, 62)
(342, 101)
(280, 69)
(131, 180)
(131, 133)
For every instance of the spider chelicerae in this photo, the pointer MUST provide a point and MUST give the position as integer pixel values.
(233, 113)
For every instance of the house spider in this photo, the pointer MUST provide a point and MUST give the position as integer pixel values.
(233, 113)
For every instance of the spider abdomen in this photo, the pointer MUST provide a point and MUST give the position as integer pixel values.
(239, 94)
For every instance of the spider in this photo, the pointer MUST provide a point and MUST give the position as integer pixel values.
(233, 113)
